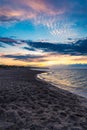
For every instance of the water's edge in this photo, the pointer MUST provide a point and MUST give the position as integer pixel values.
(59, 85)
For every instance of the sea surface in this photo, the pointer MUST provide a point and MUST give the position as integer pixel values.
(71, 79)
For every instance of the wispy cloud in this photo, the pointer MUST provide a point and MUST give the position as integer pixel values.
(27, 9)
(22, 10)
(58, 16)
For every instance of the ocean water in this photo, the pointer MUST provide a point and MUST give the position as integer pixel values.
(72, 79)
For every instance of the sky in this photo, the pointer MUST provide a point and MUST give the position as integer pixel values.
(43, 33)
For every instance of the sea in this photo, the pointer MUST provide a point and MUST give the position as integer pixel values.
(70, 79)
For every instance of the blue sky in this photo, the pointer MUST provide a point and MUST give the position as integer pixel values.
(51, 21)
(46, 19)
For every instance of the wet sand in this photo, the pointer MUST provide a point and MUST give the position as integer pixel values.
(30, 104)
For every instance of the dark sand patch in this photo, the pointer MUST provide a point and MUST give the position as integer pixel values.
(29, 104)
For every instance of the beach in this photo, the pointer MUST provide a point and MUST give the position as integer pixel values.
(28, 103)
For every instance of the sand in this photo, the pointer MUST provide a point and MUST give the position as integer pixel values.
(30, 104)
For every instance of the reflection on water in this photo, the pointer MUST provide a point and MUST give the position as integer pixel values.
(74, 80)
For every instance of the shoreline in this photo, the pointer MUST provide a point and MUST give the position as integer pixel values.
(56, 88)
(61, 86)
(30, 104)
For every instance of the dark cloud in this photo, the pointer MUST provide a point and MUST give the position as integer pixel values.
(23, 57)
(8, 41)
(70, 39)
(77, 48)
(29, 48)
(4, 18)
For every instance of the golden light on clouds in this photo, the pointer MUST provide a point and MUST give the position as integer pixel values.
(65, 60)
(48, 60)
(43, 32)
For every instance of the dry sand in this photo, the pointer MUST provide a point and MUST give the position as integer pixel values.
(29, 104)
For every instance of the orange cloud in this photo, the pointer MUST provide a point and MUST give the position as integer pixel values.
(55, 59)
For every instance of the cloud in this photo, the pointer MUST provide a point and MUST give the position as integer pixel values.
(25, 9)
(42, 53)
(29, 48)
(1, 45)
(28, 9)
(77, 48)
(49, 13)
(16, 57)
(8, 41)
(4, 18)
(25, 58)
(15, 15)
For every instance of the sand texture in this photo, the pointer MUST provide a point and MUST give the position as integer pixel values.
(30, 104)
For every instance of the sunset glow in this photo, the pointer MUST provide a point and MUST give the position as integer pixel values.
(43, 33)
